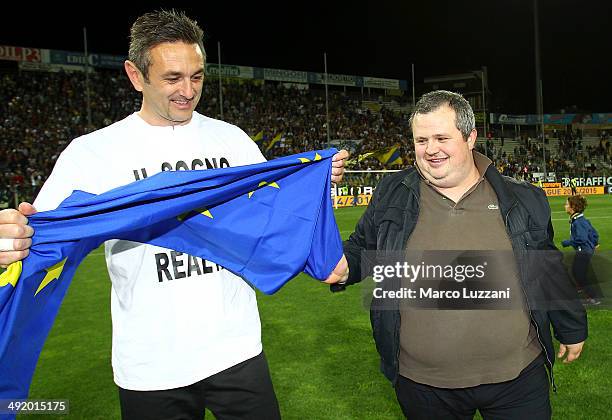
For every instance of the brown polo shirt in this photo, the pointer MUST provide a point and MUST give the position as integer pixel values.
(464, 348)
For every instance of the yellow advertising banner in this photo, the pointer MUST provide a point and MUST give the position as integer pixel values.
(565, 191)
(349, 200)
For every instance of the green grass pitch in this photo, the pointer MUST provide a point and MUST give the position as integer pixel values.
(319, 346)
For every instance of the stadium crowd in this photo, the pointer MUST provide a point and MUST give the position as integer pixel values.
(41, 112)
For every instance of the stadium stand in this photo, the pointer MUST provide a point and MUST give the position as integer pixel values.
(42, 111)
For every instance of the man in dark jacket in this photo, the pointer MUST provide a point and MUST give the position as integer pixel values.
(450, 363)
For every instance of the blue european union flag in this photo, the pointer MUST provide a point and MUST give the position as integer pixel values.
(265, 222)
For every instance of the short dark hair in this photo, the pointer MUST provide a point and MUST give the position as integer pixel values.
(464, 115)
(577, 202)
(157, 27)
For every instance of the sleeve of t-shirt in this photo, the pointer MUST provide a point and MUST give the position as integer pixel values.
(249, 152)
(63, 180)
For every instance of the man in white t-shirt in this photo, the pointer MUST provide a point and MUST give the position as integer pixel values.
(186, 332)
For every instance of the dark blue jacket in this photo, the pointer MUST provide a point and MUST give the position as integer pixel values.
(390, 219)
(583, 236)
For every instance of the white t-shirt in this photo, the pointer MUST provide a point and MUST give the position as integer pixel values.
(176, 319)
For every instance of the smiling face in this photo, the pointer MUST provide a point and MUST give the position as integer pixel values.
(173, 90)
(444, 157)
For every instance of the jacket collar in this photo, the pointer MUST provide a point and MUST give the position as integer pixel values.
(412, 178)
(507, 198)
(576, 216)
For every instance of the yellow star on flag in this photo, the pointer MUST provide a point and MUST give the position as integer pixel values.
(53, 273)
(11, 275)
(304, 160)
(203, 211)
(262, 183)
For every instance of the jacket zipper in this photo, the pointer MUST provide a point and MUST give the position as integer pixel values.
(397, 330)
(550, 370)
